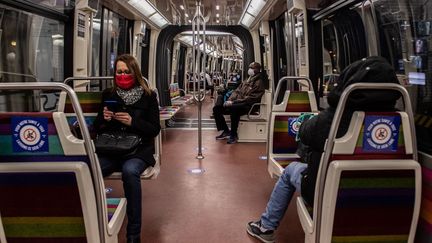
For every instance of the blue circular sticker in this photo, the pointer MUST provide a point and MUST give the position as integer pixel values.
(30, 134)
(381, 134)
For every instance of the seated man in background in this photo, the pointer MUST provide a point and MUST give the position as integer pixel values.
(302, 176)
(239, 103)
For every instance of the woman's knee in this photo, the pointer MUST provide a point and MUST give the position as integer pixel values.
(133, 169)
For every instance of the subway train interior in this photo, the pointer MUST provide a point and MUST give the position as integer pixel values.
(374, 183)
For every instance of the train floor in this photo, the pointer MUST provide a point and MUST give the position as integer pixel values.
(213, 206)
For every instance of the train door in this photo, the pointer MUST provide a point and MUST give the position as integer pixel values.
(345, 31)
(182, 66)
(346, 34)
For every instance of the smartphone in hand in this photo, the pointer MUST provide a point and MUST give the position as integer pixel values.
(112, 105)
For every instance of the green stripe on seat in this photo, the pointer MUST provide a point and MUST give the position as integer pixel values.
(371, 239)
(46, 227)
(54, 146)
(87, 97)
(113, 201)
(298, 98)
(281, 126)
(377, 182)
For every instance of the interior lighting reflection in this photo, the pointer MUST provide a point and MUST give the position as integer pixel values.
(196, 171)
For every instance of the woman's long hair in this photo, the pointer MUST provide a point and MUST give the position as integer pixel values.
(133, 66)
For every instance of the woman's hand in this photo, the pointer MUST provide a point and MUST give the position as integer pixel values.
(107, 114)
(123, 117)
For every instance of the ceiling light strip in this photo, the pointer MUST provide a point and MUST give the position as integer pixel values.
(252, 10)
(147, 9)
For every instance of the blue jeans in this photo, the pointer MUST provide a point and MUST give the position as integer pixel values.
(131, 171)
(283, 191)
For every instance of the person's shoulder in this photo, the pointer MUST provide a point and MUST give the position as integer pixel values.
(149, 96)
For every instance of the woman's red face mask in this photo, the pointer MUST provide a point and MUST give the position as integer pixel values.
(125, 81)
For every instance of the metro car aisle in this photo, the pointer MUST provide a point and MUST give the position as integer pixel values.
(211, 207)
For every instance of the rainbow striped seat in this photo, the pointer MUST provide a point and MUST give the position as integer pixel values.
(32, 211)
(283, 129)
(89, 101)
(47, 187)
(297, 101)
(282, 144)
(372, 184)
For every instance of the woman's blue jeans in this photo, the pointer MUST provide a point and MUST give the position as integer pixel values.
(288, 183)
(131, 171)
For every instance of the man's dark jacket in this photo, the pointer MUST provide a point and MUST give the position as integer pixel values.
(250, 91)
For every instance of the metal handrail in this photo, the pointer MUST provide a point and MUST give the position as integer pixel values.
(249, 114)
(198, 21)
(290, 78)
(95, 168)
(20, 74)
(71, 79)
(319, 188)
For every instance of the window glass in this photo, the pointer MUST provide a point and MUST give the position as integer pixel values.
(114, 39)
(32, 49)
(406, 41)
(61, 6)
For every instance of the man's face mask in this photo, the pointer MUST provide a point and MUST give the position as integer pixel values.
(251, 72)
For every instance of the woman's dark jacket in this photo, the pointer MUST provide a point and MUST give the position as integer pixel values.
(145, 122)
(314, 132)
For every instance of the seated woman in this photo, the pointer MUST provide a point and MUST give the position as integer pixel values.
(302, 176)
(137, 113)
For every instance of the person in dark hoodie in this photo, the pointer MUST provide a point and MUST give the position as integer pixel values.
(302, 176)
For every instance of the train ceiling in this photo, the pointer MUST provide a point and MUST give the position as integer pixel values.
(226, 12)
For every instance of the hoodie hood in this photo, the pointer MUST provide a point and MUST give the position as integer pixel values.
(368, 70)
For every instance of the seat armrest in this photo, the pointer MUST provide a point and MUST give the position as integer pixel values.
(305, 218)
(251, 109)
(117, 219)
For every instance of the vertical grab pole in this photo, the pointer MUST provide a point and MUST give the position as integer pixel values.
(198, 30)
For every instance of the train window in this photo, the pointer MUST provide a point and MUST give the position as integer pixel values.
(59, 6)
(405, 38)
(32, 49)
(392, 22)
